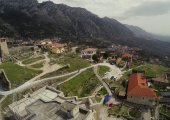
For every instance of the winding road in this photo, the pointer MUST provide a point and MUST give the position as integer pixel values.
(32, 82)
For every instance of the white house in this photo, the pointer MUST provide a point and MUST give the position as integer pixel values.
(88, 53)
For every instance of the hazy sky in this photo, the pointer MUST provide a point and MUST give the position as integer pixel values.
(151, 15)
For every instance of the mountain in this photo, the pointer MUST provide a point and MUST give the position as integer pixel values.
(31, 19)
(139, 32)
(28, 19)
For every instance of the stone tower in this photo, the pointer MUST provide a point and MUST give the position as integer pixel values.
(3, 47)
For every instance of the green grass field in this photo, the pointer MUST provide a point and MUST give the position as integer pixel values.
(153, 70)
(103, 91)
(17, 74)
(32, 60)
(38, 65)
(75, 62)
(98, 99)
(102, 70)
(117, 86)
(7, 101)
(135, 113)
(82, 85)
(119, 110)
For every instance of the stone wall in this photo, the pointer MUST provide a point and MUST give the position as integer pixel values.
(142, 100)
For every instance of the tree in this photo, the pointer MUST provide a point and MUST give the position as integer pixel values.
(105, 55)
(95, 57)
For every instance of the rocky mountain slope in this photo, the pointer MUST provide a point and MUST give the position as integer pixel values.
(28, 19)
(139, 32)
(34, 20)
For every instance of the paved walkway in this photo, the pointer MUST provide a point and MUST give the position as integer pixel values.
(32, 82)
(146, 114)
(101, 80)
(157, 112)
(105, 85)
(39, 61)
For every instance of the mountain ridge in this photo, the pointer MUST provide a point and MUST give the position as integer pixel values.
(141, 33)
(32, 20)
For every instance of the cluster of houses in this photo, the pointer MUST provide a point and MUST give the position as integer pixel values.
(53, 47)
(115, 55)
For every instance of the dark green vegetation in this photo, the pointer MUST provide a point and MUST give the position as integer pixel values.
(17, 74)
(134, 113)
(82, 85)
(102, 70)
(153, 70)
(163, 117)
(31, 60)
(165, 111)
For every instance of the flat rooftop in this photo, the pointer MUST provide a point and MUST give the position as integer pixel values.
(41, 110)
(46, 104)
(45, 95)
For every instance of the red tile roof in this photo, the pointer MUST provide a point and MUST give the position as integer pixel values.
(137, 86)
(127, 55)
